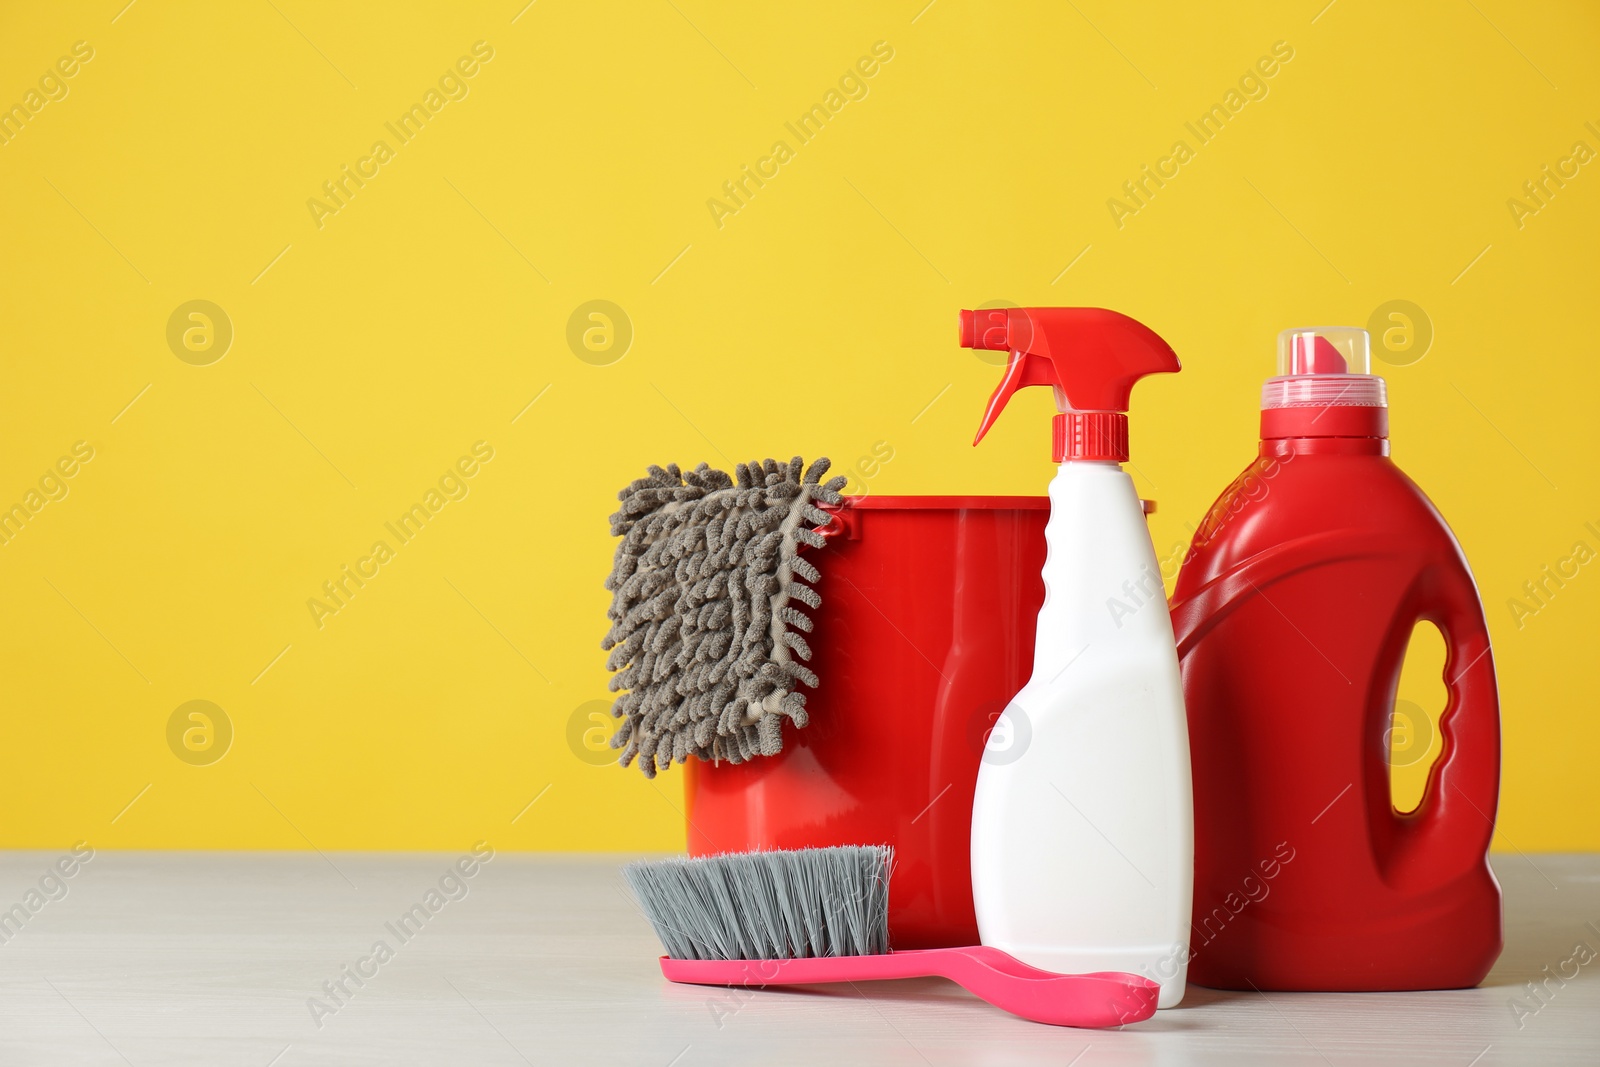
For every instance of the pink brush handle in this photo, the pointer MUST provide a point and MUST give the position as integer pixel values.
(1109, 998)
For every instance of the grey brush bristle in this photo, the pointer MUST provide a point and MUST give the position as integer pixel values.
(768, 905)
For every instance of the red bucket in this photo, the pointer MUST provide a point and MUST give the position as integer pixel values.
(925, 633)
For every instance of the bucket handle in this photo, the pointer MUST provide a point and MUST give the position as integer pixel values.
(842, 522)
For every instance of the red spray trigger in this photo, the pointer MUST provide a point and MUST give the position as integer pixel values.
(1090, 356)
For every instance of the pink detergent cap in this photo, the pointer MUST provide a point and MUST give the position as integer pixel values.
(1324, 350)
(1315, 354)
(1323, 367)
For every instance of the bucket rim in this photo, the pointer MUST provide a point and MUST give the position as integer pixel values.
(947, 503)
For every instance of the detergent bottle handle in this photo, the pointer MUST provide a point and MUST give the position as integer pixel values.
(1449, 831)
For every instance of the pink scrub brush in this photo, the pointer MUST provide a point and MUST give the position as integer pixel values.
(822, 915)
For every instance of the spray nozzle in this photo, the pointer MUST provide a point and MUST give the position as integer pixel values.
(1090, 357)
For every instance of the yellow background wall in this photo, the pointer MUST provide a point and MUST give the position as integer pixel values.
(374, 346)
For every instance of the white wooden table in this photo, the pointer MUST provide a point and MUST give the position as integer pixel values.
(211, 958)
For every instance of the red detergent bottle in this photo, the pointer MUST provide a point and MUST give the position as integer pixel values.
(1292, 614)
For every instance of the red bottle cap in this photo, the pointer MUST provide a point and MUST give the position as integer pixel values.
(1089, 435)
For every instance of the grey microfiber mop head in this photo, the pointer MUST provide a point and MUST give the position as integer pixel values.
(705, 642)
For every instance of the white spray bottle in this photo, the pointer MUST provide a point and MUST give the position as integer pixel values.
(1083, 822)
